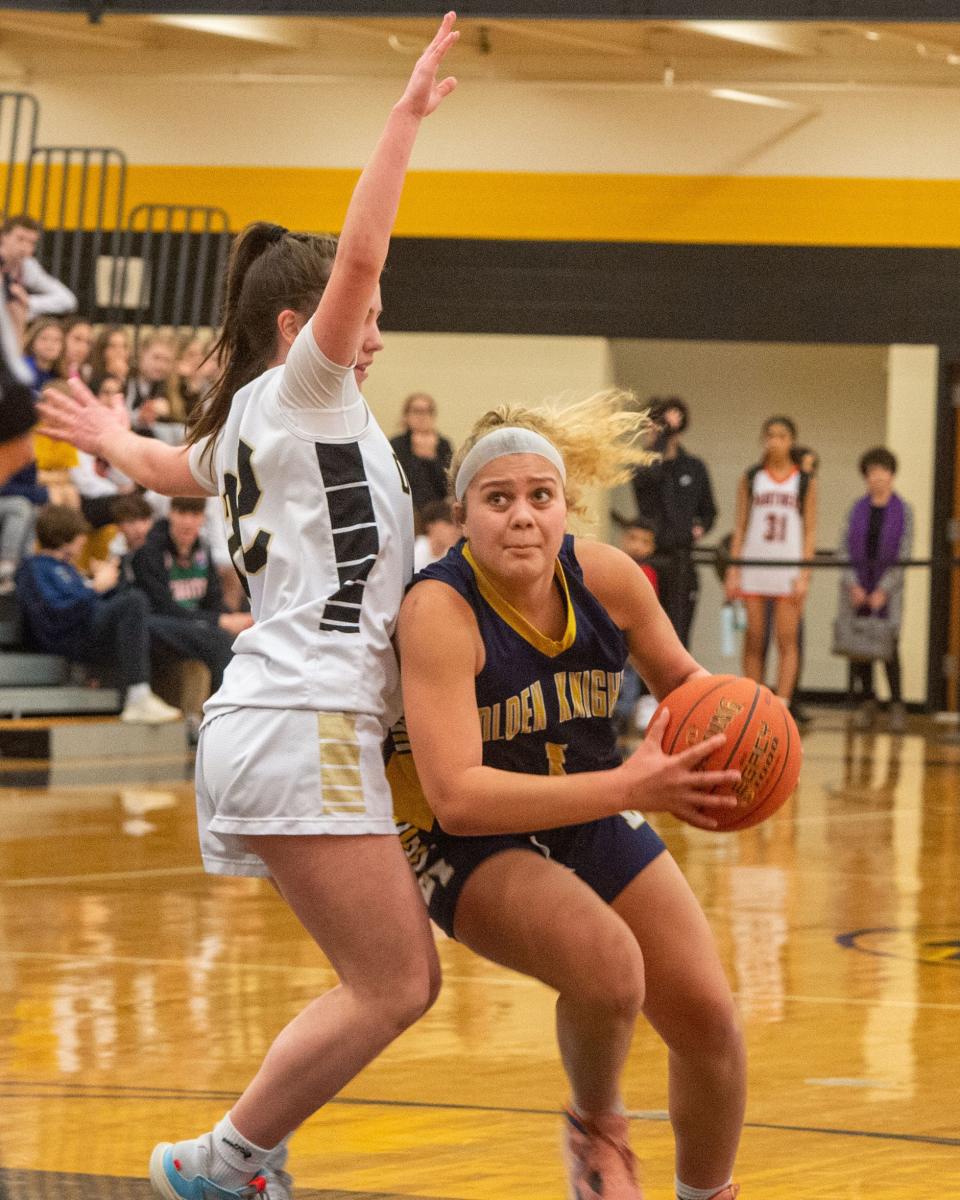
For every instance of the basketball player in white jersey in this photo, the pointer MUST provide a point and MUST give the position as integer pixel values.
(775, 522)
(290, 777)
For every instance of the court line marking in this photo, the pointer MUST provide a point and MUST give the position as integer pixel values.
(76, 1092)
(102, 876)
(193, 964)
(161, 872)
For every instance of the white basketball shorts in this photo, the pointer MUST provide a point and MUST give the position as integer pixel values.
(287, 771)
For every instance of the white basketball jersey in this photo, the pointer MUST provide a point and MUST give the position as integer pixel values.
(774, 532)
(320, 525)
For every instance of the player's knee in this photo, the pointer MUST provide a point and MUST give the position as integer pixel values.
(412, 994)
(614, 979)
(713, 1031)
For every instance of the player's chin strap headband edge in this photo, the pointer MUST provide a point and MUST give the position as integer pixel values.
(508, 439)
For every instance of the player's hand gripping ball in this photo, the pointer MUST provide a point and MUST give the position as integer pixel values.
(763, 742)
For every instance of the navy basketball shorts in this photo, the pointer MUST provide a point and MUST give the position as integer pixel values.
(606, 854)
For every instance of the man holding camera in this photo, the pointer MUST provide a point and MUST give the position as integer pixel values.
(675, 494)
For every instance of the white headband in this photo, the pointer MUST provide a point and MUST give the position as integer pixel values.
(508, 439)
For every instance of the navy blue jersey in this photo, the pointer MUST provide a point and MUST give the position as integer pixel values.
(545, 705)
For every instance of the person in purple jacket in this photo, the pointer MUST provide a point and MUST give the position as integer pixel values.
(877, 534)
(88, 621)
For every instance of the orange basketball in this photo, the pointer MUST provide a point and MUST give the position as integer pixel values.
(763, 742)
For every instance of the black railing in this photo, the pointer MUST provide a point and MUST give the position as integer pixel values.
(182, 251)
(78, 194)
(19, 116)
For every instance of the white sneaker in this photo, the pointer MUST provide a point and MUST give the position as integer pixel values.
(643, 713)
(151, 710)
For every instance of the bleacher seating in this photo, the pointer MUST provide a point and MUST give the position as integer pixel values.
(32, 683)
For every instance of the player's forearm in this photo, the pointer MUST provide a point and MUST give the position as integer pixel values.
(484, 800)
(151, 463)
(365, 238)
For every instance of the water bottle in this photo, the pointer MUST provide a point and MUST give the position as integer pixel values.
(733, 621)
(728, 638)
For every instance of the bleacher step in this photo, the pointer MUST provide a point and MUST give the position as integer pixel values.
(23, 669)
(105, 740)
(30, 701)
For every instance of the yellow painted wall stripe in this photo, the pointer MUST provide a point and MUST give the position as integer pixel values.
(650, 208)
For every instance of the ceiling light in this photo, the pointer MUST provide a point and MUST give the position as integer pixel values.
(953, 59)
(402, 47)
(872, 36)
(750, 98)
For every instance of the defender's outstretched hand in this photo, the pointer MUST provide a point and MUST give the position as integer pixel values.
(79, 418)
(423, 93)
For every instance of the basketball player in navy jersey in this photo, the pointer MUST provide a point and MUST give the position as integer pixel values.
(522, 826)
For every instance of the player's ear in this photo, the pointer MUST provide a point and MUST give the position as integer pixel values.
(289, 324)
(459, 511)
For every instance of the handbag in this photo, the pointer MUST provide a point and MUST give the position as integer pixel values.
(864, 639)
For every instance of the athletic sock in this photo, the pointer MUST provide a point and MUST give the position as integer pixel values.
(235, 1158)
(685, 1192)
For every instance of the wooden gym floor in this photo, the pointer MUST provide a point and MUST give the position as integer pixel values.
(137, 995)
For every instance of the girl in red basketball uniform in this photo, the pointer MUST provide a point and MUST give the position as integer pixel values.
(777, 522)
(520, 827)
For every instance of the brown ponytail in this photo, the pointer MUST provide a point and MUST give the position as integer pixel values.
(269, 270)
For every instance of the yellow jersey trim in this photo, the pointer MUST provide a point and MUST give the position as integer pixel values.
(517, 621)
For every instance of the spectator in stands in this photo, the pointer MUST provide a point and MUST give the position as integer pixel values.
(29, 291)
(109, 391)
(97, 483)
(188, 383)
(20, 497)
(110, 355)
(42, 348)
(423, 453)
(439, 533)
(134, 519)
(88, 621)
(175, 569)
(147, 386)
(675, 493)
(77, 345)
(55, 460)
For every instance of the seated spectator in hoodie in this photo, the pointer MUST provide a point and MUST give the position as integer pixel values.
(176, 571)
(134, 519)
(89, 620)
